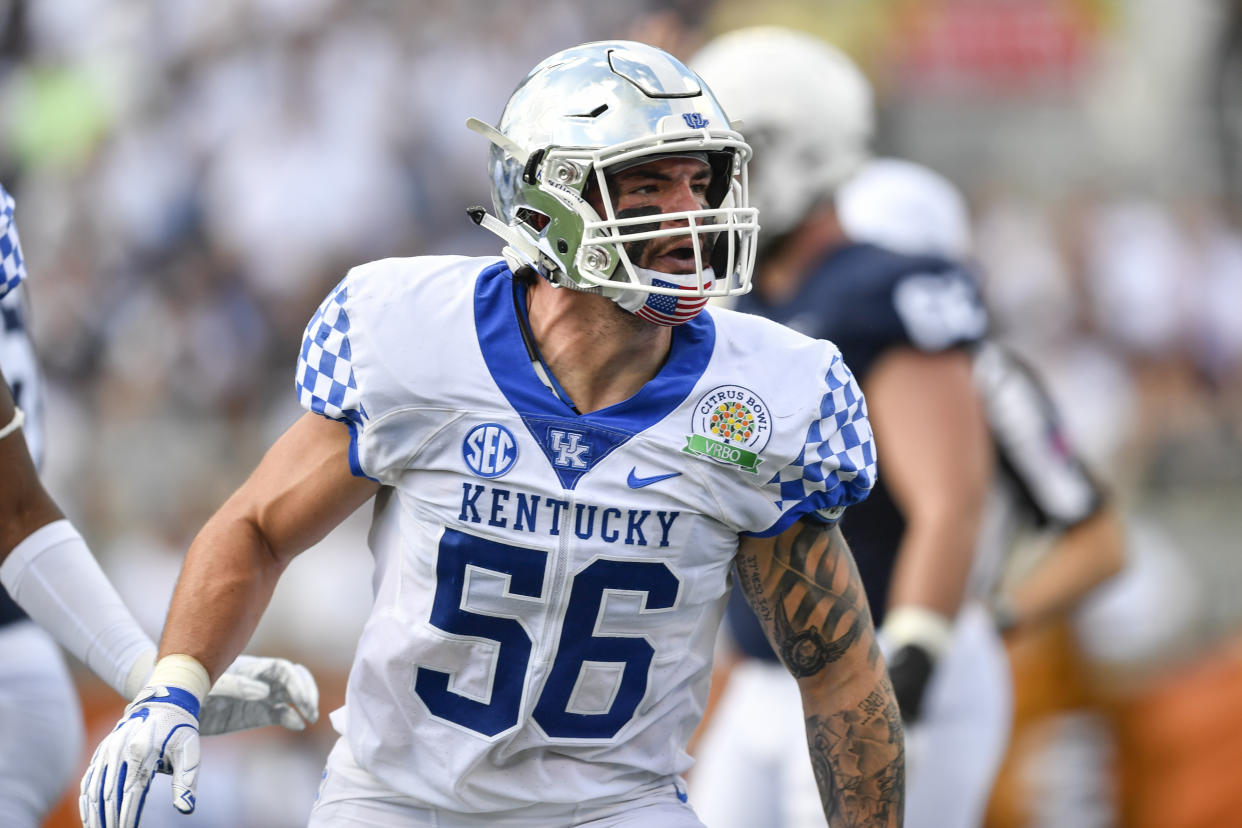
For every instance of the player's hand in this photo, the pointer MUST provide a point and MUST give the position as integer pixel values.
(257, 692)
(913, 639)
(910, 668)
(158, 733)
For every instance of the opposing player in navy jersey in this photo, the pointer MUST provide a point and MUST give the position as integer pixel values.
(569, 456)
(906, 325)
(47, 571)
(909, 320)
(1044, 501)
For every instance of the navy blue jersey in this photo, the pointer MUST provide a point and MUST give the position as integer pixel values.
(868, 300)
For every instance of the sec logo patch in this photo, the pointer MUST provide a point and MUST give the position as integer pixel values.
(489, 450)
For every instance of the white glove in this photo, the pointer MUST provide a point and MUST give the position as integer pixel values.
(158, 733)
(256, 692)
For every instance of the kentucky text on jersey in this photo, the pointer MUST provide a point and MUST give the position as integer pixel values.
(523, 512)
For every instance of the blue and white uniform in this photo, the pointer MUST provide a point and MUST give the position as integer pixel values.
(40, 723)
(548, 585)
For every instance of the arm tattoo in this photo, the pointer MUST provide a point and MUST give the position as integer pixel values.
(809, 595)
(859, 761)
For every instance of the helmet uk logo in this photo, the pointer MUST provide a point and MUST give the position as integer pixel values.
(730, 425)
(695, 120)
(489, 450)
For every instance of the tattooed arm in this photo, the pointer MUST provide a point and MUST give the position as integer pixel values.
(805, 589)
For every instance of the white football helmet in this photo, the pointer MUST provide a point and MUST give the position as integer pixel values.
(805, 107)
(905, 207)
(593, 110)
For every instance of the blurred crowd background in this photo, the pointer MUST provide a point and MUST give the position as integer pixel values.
(192, 178)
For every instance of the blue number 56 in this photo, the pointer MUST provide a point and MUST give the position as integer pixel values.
(577, 646)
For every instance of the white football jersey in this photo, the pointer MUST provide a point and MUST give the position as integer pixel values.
(17, 359)
(12, 267)
(21, 371)
(548, 585)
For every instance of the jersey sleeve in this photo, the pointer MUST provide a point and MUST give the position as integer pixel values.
(12, 265)
(325, 380)
(836, 466)
(355, 363)
(325, 375)
(939, 309)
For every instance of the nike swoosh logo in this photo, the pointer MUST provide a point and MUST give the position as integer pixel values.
(636, 482)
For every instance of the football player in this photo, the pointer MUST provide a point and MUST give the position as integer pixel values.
(1043, 499)
(47, 574)
(569, 455)
(869, 256)
(907, 327)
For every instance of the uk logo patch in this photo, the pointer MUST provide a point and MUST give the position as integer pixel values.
(695, 120)
(570, 450)
(489, 450)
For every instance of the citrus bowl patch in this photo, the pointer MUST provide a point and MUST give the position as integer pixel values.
(730, 425)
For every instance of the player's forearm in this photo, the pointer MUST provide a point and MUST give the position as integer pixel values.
(934, 561)
(1084, 557)
(24, 504)
(299, 492)
(806, 591)
(226, 583)
(857, 747)
(53, 576)
(48, 570)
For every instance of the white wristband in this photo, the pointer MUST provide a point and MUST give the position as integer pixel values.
(918, 625)
(55, 579)
(19, 418)
(180, 670)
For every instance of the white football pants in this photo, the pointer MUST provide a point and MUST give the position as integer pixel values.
(350, 797)
(40, 725)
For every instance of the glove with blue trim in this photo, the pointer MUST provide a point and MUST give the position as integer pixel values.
(158, 733)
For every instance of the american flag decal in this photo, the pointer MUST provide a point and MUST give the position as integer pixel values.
(667, 309)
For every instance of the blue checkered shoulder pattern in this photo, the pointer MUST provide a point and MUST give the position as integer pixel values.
(12, 266)
(325, 374)
(836, 467)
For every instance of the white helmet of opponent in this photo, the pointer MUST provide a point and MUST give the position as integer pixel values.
(803, 105)
(906, 207)
(588, 112)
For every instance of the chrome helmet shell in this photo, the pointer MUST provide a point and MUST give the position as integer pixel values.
(593, 110)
